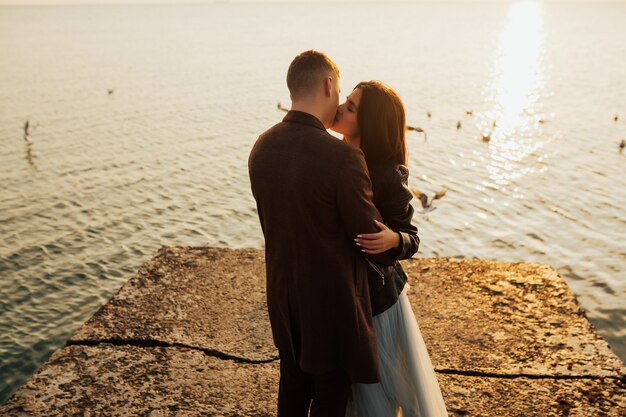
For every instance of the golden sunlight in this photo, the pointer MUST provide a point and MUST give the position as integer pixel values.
(513, 124)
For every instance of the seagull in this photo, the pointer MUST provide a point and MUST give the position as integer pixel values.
(281, 108)
(622, 145)
(486, 138)
(27, 131)
(423, 198)
(419, 130)
(470, 113)
(111, 91)
(458, 125)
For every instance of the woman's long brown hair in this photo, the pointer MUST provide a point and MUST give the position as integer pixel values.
(382, 124)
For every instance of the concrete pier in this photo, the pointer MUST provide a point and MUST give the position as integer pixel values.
(189, 335)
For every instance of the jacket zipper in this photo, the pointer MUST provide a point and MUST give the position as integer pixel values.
(377, 269)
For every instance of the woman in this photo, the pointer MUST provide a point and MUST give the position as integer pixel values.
(373, 119)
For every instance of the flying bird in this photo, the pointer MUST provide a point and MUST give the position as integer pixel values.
(27, 131)
(419, 130)
(427, 205)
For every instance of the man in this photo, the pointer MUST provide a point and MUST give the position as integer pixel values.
(313, 197)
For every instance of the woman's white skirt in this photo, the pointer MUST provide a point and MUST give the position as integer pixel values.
(408, 385)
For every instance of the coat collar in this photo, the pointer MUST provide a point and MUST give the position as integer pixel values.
(295, 116)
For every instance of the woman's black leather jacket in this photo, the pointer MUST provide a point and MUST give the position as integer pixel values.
(392, 199)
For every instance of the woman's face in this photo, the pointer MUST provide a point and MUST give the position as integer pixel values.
(346, 119)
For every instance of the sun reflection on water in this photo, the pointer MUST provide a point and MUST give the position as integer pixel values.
(514, 122)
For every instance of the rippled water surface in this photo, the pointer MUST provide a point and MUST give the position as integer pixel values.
(108, 178)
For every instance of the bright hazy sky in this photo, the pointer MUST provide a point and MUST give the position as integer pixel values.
(29, 2)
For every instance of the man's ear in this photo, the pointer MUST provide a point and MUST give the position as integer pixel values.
(328, 86)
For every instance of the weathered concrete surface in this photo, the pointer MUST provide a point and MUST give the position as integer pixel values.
(509, 318)
(109, 380)
(179, 338)
(203, 297)
(523, 397)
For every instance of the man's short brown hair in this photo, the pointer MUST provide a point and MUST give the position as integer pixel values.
(307, 71)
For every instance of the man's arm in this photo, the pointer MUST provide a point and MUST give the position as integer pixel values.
(354, 200)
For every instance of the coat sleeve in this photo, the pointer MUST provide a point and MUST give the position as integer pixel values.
(354, 201)
(395, 207)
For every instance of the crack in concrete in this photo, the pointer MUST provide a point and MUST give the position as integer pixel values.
(530, 376)
(160, 343)
(239, 359)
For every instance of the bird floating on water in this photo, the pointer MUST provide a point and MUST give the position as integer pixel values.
(429, 114)
(458, 125)
(427, 206)
(622, 145)
(541, 121)
(616, 118)
(111, 91)
(494, 124)
(470, 113)
(486, 137)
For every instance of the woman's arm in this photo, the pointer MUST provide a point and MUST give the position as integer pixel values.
(379, 242)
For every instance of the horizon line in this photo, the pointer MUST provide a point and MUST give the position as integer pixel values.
(18, 3)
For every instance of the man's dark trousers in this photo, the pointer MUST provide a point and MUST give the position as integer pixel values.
(326, 395)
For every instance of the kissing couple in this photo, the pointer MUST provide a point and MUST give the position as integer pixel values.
(336, 217)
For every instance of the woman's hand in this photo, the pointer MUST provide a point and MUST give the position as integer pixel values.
(374, 243)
